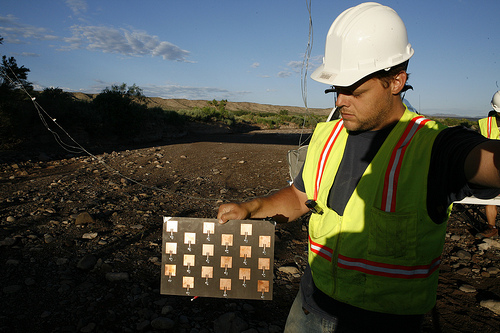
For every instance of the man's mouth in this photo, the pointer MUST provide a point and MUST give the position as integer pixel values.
(346, 115)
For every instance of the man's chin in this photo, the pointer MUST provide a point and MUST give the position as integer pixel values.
(351, 125)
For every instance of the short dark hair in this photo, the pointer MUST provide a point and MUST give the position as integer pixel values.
(386, 75)
(493, 113)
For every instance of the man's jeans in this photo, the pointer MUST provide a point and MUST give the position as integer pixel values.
(299, 322)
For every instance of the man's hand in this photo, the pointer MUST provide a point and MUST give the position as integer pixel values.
(232, 211)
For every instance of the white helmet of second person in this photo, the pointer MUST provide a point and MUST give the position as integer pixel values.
(495, 101)
(363, 40)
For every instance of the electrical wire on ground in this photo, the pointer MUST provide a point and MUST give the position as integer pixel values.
(77, 148)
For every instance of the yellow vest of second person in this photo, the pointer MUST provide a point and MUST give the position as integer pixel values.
(489, 128)
(383, 254)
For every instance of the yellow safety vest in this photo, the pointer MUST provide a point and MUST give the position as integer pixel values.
(383, 254)
(489, 128)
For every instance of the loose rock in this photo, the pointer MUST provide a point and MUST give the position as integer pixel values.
(119, 276)
(84, 218)
(467, 288)
(493, 305)
(162, 323)
(87, 262)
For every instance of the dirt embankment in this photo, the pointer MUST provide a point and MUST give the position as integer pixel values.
(176, 104)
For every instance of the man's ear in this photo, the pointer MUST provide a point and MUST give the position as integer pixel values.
(398, 82)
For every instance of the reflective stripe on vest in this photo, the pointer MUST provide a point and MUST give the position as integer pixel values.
(388, 270)
(489, 127)
(392, 173)
(321, 250)
(324, 155)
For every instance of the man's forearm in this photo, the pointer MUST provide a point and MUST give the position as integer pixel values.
(286, 205)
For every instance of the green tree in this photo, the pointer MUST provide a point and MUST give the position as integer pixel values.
(119, 111)
(11, 75)
(14, 117)
(133, 91)
(220, 106)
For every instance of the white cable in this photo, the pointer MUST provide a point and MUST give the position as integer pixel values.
(81, 149)
(304, 69)
(40, 112)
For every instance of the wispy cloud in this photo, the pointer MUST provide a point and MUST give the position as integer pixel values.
(122, 41)
(27, 54)
(284, 74)
(255, 65)
(297, 67)
(95, 38)
(189, 92)
(17, 33)
(77, 6)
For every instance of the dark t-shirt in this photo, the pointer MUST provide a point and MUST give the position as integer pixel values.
(446, 183)
(364, 146)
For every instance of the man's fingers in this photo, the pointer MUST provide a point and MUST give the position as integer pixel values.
(230, 212)
(224, 213)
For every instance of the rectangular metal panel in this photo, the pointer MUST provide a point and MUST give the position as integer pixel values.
(201, 257)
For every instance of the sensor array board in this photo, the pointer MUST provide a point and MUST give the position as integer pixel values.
(201, 257)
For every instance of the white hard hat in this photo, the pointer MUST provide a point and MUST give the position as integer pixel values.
(363, 40)
(495, 101)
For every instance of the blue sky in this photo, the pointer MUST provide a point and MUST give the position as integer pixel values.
(248, 51)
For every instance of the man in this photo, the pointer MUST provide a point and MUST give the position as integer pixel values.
(489, 128)
(379, 182)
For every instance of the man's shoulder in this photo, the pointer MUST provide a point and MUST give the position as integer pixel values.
(460, 131)
(458, 137)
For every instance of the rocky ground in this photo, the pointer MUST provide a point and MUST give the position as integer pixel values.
(80, 240)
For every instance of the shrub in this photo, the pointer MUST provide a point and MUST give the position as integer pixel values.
(213, 112)
(119, 114)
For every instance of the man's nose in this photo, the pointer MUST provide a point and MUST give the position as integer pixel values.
(341, 100)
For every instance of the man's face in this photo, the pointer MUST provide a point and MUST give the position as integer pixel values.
(367, 106)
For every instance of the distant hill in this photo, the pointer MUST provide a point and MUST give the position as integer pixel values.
(176, 104)
(446, 115)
